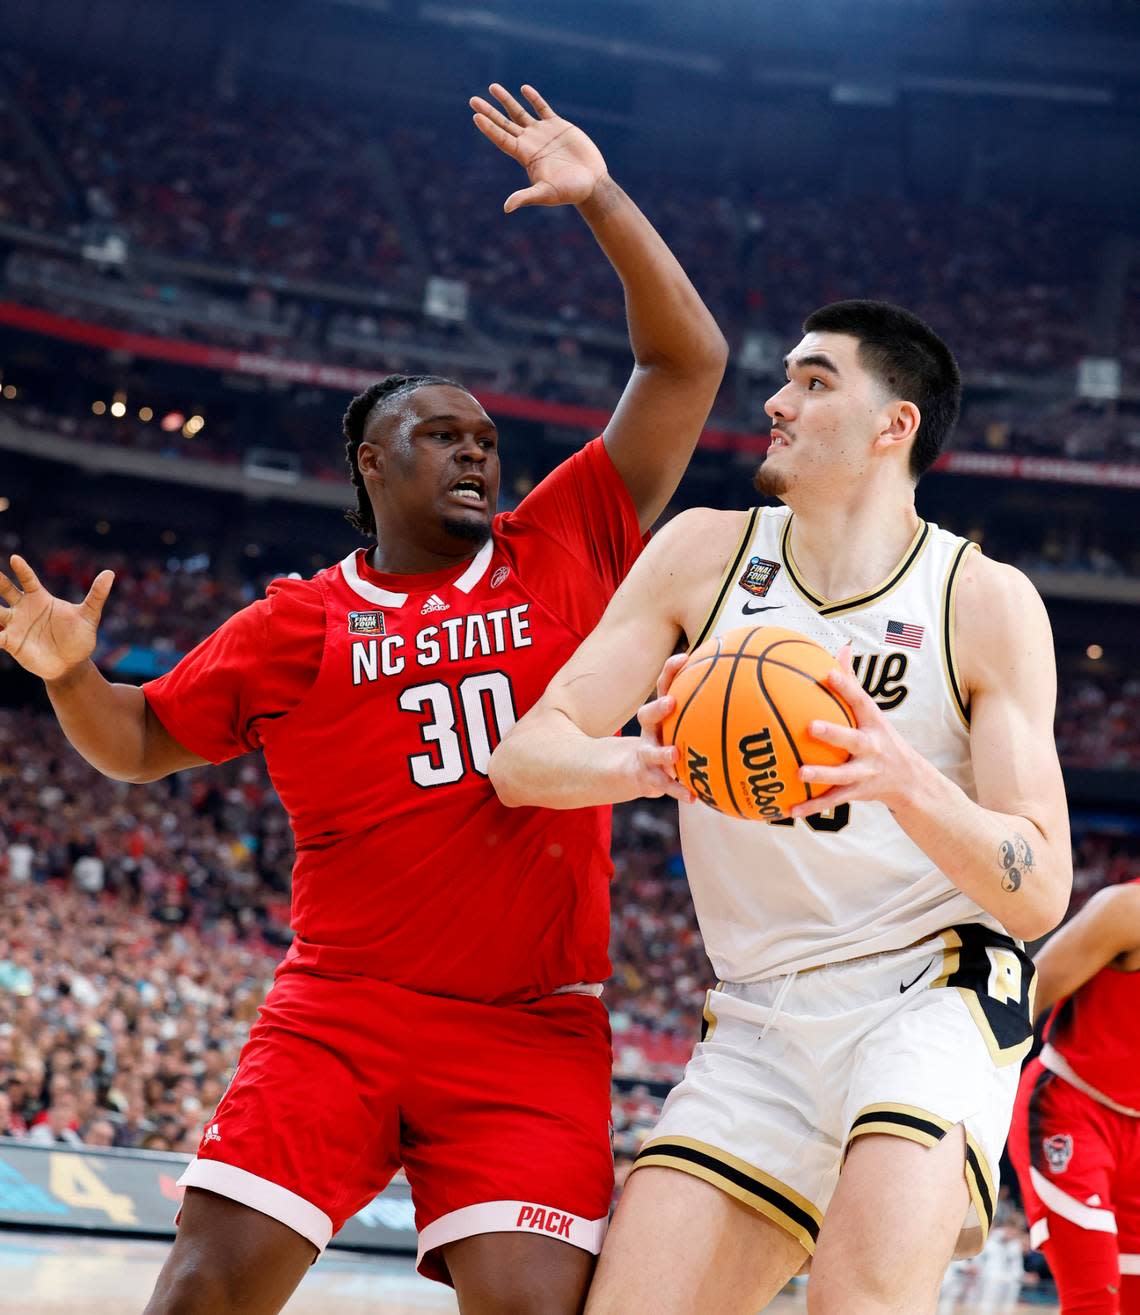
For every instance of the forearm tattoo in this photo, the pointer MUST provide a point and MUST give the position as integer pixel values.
(1016, 859)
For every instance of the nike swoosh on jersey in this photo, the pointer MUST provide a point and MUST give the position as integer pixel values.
(908, 985)
(749, 608)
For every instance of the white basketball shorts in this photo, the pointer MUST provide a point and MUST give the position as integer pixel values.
(791, 1070)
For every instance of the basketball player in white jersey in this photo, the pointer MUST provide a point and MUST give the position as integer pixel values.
(874, 1000)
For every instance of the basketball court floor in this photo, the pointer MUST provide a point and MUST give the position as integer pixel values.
(49, 1274)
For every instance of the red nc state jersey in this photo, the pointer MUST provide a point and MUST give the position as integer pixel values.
(1096, 1034)
(408, 867)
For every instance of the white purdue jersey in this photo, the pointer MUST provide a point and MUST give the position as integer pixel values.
(784, 896)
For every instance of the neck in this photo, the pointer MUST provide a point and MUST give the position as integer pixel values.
(845, 548)
(413, 559)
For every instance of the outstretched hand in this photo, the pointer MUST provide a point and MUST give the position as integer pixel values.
(45, 635)
(563, 164)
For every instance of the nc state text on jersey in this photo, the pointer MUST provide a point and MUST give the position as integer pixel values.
(456, 639)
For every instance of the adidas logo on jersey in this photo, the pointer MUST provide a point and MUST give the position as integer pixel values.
(212, 1133)
(434, 604)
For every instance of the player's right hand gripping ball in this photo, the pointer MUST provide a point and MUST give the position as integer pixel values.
(745, 700)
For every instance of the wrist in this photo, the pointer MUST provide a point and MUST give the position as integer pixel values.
(605, 196)
(918, 786)
(69, 678)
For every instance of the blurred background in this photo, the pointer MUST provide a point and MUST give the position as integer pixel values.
(218, 222)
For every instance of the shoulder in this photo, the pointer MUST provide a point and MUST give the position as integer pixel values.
(1000, 619)
(697, 537)
(288, 598)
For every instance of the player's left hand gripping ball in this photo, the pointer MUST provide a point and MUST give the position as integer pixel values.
(881, 765)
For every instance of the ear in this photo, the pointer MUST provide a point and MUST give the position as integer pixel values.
(900, 425)
(370, 457)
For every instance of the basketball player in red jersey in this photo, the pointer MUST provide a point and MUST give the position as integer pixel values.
(439, 1006)
(1075, 1140)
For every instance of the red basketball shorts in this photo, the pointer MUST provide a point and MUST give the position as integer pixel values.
(1078, 1163)
(499, 1114)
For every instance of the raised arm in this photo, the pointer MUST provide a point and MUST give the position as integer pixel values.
(679, 352)
(112, 726)
(563, 753)
(1009, 851)
(1107, 928)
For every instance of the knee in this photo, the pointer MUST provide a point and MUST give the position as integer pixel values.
(865, 1289)
(192, 1286)
(515, 1294)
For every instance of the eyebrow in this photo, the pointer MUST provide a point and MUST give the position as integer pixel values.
(813, 361)
(433, 420)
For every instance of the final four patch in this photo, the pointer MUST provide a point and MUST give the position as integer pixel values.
(758, 576)
(366, 623)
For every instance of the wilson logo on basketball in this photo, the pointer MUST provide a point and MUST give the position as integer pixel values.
(744, 702)
(763, 780)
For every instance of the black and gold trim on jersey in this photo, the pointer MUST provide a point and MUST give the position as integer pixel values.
(928, 1129)
(831, 607)
(998, 981)
(775, 1200)
(949, 661)
(728, 579)
(708, 1018)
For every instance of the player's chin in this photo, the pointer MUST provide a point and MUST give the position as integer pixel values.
(468, 526)
(771, 479)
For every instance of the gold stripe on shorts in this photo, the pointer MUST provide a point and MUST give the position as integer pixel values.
(768, 1196)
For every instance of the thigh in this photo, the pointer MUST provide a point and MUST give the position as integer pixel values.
(506, 1129)
(308, 1130)
(678, 1245)
(891, 1228)
(924, 1070)
(229, 1259)
(518, 1272)
(746, 1119)
(1064, 1147)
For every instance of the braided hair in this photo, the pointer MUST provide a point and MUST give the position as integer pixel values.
(355, 423)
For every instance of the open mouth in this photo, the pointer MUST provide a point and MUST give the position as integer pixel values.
(470, 490)
(778, 440)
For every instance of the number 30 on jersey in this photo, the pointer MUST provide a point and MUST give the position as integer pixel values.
(462, 726)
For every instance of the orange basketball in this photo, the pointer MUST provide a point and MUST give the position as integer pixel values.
(744, 702)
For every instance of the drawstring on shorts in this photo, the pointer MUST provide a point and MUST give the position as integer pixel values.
(778, 1003)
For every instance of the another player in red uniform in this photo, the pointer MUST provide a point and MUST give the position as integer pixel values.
(1075, 1140)
(439, 1006)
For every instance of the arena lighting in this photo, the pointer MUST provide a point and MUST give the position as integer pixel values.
(172, 420)
(10, 391)
(118, 410)
(195, 425)
(98, 408)
(5, 503)
(1095, 652)
(145, 414)
(102, 527)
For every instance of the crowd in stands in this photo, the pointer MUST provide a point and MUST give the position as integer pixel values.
(278, 190)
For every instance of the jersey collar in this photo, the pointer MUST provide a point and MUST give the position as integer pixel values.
(372, 593)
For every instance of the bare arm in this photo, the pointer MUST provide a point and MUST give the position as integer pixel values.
(1106, 928)
(679, 352)
(112, 726)
(1010, 850)
(562, 754)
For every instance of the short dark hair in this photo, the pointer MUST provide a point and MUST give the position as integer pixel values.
(354, 424)
(908, 358)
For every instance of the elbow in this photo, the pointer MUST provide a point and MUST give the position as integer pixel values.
(1046, 914)
(502, 778)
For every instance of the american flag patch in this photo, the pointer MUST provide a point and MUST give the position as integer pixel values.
(905, 634)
